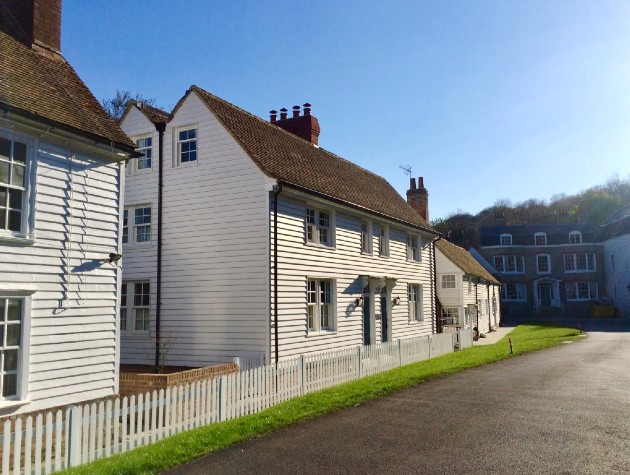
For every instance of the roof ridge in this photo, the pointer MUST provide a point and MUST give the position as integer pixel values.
(290, 134)
(282, 155)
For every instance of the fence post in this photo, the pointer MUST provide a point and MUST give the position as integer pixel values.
(359, 361)
(75, 423)
(399, 353)
(303, 375)
(429, 342)
(222, 398)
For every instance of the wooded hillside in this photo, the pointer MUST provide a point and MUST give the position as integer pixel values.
(590, 206)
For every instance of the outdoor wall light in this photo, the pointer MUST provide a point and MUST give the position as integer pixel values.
(358, 302)
(396, 301)
(113, 258)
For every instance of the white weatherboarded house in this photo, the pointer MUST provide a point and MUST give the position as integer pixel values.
(468, 295)
(269, 246)
(60, 183)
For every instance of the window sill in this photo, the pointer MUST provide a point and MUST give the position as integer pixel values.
(320, 246)
(384, 256)
(186, 164)
(579, 271)
(321, 333)
(9, 406)
(17, 239)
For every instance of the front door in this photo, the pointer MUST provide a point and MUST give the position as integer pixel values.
(384, 316)
(545, 294)
(367, 320)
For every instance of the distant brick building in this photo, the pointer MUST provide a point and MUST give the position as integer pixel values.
(547, 271)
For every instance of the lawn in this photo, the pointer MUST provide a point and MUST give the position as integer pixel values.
(186, 446)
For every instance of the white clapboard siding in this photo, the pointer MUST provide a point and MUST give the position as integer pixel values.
(71, 338)
(88, 432)
(345, 264)
(215, 277)
(450, 297)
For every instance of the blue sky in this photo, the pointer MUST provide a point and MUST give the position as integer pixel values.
(484, 99)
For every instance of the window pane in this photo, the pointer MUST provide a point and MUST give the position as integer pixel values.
(19, 152)
(15, 199)
(3, 197)
(14, 312)
(10, 360)
(4, 172)
(9, 385)
(13, 334)
(18, 175)
(5, 148)
(15, 220)
(1, 335)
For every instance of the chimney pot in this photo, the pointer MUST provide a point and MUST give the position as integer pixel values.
(307, 109)
(273, 115)
(420, 182)
(412, 183)
(296, 111)
(283, 113)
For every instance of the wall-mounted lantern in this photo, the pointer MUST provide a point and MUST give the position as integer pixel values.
(396, 301)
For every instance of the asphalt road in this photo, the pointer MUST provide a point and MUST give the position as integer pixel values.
(564, 410)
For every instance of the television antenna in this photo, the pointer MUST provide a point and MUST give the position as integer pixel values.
(406, 169)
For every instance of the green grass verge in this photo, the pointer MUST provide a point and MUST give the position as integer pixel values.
(189, 445)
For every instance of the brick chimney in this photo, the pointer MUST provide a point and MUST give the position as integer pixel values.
(35, 22)
(305, 125)
(418, 198)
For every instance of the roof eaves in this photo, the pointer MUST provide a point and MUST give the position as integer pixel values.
(356, 206)
(6, 108)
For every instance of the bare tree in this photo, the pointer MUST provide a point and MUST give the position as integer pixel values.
(116, 106)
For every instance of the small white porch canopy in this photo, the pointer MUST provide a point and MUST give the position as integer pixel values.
(547, 292)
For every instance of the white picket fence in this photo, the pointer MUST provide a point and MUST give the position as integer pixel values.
(82, 434)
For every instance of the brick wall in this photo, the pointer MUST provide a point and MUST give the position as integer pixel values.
(131, 383)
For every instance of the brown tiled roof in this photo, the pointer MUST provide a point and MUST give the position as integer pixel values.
(295, 161)
(464, 260)
(46, 87)
(155, 115)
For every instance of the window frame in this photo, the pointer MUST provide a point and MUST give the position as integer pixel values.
(520, 290)
(505, 258)
(414, 306)
(446, 281)
(414, 252)
(138, 160)
(548, 263)
(25, 235)
(317, 305)
(540, 235)
(592, 291)
(576, 241)
(506, 237)
(21, 396)
(131, 229)
(573, 258)
(178, 145)
(383, 240)
(315, 228)
(131, 307)
(366, 241)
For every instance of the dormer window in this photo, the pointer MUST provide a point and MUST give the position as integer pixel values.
(540, 239)
(505, 239)
(575, 237)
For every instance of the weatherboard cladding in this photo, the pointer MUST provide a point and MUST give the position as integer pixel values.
(295, 161)
(464, 260)
(48, 88)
